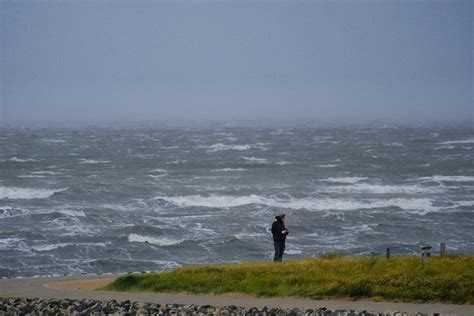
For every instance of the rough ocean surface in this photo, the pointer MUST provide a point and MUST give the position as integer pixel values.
(104, 200)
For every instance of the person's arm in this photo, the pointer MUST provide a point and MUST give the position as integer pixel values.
(274, 229)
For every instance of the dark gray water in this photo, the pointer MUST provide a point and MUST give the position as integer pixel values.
(117, 200)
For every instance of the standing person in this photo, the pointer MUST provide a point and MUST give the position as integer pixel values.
(279, 233)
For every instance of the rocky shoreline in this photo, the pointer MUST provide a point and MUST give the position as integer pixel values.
(37, 306)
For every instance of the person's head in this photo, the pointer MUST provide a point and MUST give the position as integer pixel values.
(282, 217)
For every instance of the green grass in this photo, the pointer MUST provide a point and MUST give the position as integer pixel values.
(442, 279)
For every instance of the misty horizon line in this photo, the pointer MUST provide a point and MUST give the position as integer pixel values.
(238, 123)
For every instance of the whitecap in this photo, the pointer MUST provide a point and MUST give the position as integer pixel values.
(439, 178)
(293, 252)
(382, 189)
(462, 141)
(53, 141)
(222, 147)
(444, 147)
(12, 243)
(252, 236)
(223, 134)
(256, 160)
(92, 161)
(167, 264)
(15, 159)
(464, 203)
(74, 213)
(170, 147)
(394, 144)
(283, 163)
(46, 172)
(15, 193)
(420, 205)
(157, 176)
(228, 169)
(159, 170)
(176, 162)
(48, 247)
(164, 241)
(327, 166)
(30, 176)
(344, 179)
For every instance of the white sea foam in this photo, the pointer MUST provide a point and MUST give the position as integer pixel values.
(464, 203)
(159, 170)
(74, 213)
(176, 162)
(293, 252)
(444, 147)
(15, 193)
(439, 178)
(30, 176)
(167, 264)
(462, 141)
(382, 189)
(251, 236)
(228, 169)
(11, 243)
(256, 160)
(327, 166)
(46, 172)
(344, 179)
(157, 176)
(223, 134)
(170, 147)
(420, 205)
(92, 161)
(164, 241)
(221, 147)
(49, 247)
(283, 163)
(53, 141)
(16, 159)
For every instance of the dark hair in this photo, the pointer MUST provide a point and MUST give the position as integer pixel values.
(281, 216)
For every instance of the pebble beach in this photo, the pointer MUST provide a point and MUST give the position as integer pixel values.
(35, 306)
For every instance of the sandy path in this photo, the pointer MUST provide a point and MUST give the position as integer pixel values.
(80, 287)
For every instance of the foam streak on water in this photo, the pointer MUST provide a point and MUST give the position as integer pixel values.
(113, 200)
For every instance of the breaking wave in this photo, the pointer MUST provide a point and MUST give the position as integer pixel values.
(311, 203)
(345, 179)
(153, 240)
(256, 160)
(15, 159)
(15, 193)
(92, 161)
(438, 178)
(228, 169)
(462, 141)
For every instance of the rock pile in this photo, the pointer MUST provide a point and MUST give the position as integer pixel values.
(36, 306)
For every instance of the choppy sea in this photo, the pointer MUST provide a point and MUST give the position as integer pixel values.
(110, 200)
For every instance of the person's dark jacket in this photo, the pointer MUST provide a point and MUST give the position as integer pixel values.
(277, 227)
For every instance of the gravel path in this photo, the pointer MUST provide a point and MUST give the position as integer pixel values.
(47, 288)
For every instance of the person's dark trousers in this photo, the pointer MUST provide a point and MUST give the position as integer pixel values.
(279, 249)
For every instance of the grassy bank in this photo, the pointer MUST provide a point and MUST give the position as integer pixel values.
(443, 279)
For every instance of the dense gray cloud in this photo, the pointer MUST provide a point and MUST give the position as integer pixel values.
(88, 61)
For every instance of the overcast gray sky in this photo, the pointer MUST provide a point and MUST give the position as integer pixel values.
(259, 60)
